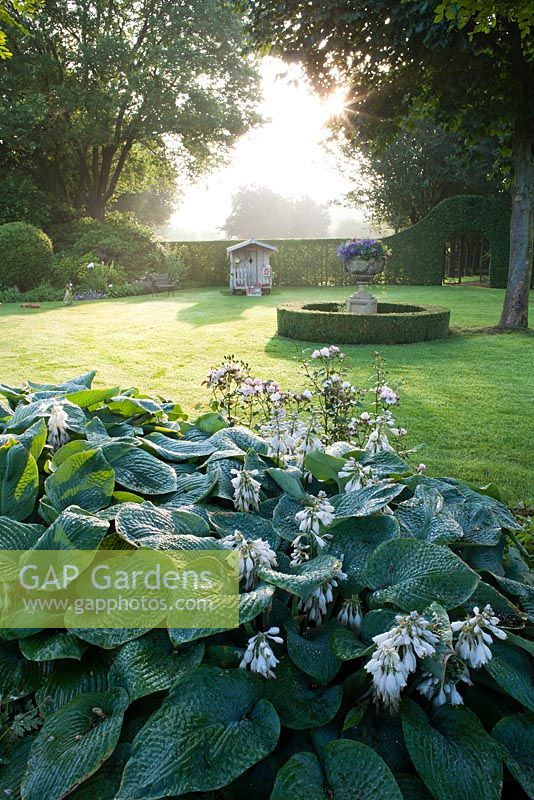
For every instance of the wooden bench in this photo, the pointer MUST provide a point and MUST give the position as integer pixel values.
(162, 282)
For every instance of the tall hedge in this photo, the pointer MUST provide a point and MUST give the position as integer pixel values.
(25, 256)
(417, 252)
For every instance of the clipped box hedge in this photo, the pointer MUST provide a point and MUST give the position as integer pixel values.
(394, 324)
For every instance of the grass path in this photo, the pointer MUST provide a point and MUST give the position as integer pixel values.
(470, 397)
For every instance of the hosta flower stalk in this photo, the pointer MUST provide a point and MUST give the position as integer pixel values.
(259, 656)
(246, 490)
(252, 554)
(350, 614)
(315, 605)
(476, 635)
(58, 434)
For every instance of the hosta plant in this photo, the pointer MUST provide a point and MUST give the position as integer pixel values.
(386, 625)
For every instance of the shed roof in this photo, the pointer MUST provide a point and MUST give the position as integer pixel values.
(248, 243)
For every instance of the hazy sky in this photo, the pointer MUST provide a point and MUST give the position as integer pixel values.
(284, 154)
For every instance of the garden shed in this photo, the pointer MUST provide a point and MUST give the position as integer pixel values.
(250, 268)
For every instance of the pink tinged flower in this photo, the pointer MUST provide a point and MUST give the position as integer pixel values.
(421, 468)
(316, 354)
(325, 352)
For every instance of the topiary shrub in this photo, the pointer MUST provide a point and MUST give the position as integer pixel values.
(394, 324)
(119, 239)
(25, 256)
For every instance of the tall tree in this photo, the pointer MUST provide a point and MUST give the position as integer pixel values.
(400, 178)
(93, 80)
(258, 211)
(479, 79)
(9, 9)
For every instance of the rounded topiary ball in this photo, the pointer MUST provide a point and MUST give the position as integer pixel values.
(25, 256)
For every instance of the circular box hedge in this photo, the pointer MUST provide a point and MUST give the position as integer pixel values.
(394, 323)
(25, 256)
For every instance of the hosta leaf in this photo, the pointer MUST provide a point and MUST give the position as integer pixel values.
(302, 580)
(516, 735)
(312, 652)
(18, 535)
(85, 479)
(452, 753)
(301, 778)
(148, 526)
(193, 488)
(522, 591)
(213, 725)
(141, 472)
(254, 602)
(411, 787)
(34, 438)
(18, 676)
(352, 771)
(109, 638)
(384, 463)
(73, 529)
(12, 772)
(284, 521)
(19, 480)
(346, 645)
(91, 397)
(238, 437)
(366, 501)
(65, 683)
(127, 406)
(512, 669)
(354, 540)
(73, 743)
(250, 525)
(503, 608)
(377, 621)
(422, 517)
(289, 481)
(222, 468)
(151, 664)
(412, 574)
(104, 784)
(299, 703)
(177, 449)
(323, 466)
(52, 645)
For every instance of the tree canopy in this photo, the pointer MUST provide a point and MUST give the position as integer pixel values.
(478, 79)
(401, 179)
(91, 84)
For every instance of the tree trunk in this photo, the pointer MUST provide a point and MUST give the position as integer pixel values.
(515, 309)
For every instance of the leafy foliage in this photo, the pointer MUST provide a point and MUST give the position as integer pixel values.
(150, 714)
(26, 256)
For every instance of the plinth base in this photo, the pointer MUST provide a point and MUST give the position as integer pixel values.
(362, 302)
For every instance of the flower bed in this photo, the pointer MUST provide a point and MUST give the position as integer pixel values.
(393, 324)
(385, 617)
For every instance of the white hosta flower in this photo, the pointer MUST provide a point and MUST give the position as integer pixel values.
(411, 637)
(318, 511)
(359, 475)
(279, 435)
(252, 554)
(315, 605)
(246, 489)
(58, 434)
(389, 675)
(388, 396)
(350, 614)
(476, 635)
(440, 694)
(259, 656)
(378, 442)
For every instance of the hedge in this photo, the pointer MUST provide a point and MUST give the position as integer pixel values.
(417, 252)
(394, 323)
(25, 256)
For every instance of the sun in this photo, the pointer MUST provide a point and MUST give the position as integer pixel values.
(335, 104)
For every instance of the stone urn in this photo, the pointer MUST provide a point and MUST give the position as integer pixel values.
(362, 301)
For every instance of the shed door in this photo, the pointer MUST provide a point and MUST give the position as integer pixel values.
(253, 268)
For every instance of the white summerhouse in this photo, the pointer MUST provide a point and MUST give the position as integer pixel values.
(250, 268)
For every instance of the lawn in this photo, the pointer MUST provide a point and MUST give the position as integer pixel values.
(469, 398)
